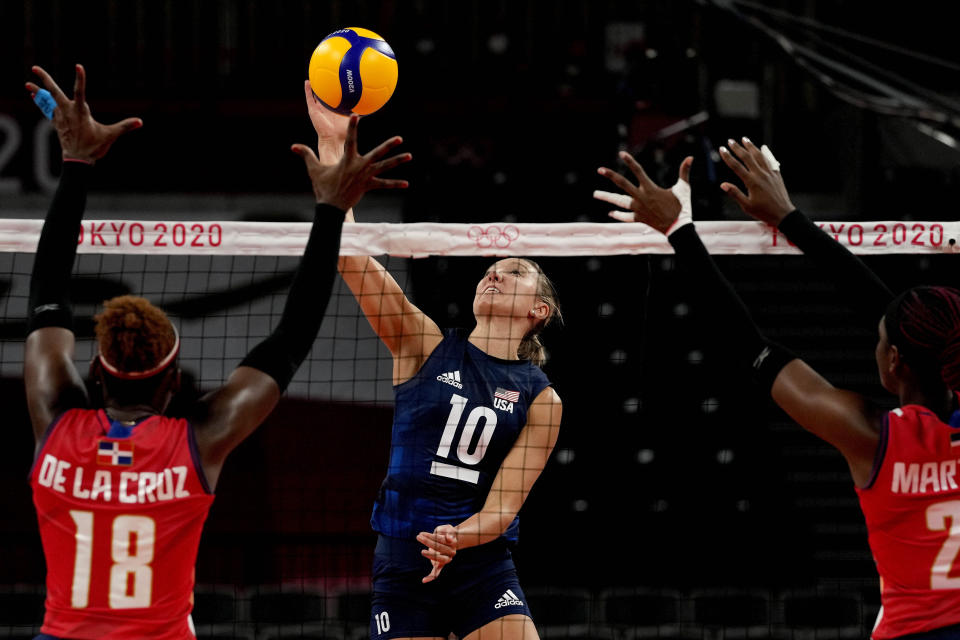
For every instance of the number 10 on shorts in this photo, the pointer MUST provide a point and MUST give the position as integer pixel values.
(383, 622)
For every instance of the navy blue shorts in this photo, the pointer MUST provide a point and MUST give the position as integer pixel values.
(480, 585)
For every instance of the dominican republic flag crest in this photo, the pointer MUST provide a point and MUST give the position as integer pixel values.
(115, 453)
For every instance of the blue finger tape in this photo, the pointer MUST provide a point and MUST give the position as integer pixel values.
(45, 101)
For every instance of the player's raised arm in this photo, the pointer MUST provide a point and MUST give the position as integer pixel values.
(50, 377)
(767, 200)
(229, 414)
(405, 330)
(840, 417)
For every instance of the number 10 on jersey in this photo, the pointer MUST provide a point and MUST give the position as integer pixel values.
(462, 450)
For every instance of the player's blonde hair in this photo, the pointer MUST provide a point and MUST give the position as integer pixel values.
(531, 348)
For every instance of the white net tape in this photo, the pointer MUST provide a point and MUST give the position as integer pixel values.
(489, 239)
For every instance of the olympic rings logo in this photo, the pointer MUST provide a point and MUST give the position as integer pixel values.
(493, 236)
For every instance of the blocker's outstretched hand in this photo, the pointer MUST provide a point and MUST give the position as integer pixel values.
(766, 199)
(343, 184)
(441, 547)
(660, 208)
(81, 137)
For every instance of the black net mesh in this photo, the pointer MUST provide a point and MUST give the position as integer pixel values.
(679, 502)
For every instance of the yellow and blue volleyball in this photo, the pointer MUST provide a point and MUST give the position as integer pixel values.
(353, 71)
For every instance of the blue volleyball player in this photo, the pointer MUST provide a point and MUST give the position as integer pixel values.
(475, 421)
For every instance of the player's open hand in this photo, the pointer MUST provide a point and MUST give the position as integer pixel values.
(343, 184)
(441, 547)
(81, 137)
(331, 127)
(663, 209)
(766, 199)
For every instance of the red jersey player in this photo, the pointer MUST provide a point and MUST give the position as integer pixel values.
(903, 462)
(122, 492)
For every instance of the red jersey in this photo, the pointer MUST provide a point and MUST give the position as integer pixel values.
(120, 520)
(912, 510)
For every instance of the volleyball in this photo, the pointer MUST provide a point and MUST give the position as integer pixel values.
(353, 70)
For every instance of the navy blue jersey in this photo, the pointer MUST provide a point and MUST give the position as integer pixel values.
(454, 423)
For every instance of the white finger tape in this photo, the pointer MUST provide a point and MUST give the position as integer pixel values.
(622, 216)
(616, 199)
(768, 156)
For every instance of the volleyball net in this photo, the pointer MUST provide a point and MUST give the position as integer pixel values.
(654, 431)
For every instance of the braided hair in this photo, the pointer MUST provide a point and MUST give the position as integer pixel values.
(924, 324)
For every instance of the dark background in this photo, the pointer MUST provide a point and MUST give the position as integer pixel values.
(670, 470)
(511, 102)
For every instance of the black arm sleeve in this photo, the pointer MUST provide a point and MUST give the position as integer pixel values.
(49, 303)
(280, 353)
(730, 317)
(869, 294)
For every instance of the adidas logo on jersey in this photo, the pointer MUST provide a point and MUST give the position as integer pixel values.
(508, 599)
(451, 378)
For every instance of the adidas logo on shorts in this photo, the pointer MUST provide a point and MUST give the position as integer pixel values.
(451, 378)
(508, 599)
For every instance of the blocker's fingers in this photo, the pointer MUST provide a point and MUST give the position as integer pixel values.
(390, 163)
(748, 153)
(741, 154)
(32, 88)
(80, 85)
(641, 175)
(734, 192)
(382, 148)
(734, 164)
(128, 124)
(616, 199)
(305, 152)
(619, 180)
(622, 216)
(58, 96)
(754, 152)
(382, 183)
(350, 143)
(685, 169)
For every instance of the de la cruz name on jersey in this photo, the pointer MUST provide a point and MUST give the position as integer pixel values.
(120, 512)
(454, 423)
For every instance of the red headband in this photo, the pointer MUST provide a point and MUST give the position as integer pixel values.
(140, 375)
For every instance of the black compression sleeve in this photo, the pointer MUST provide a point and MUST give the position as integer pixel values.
(281, 353)
(49, 303)
(728, 313)
(870, 295)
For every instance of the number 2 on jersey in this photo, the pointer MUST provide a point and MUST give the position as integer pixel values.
(125, 564)
(937, 517)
